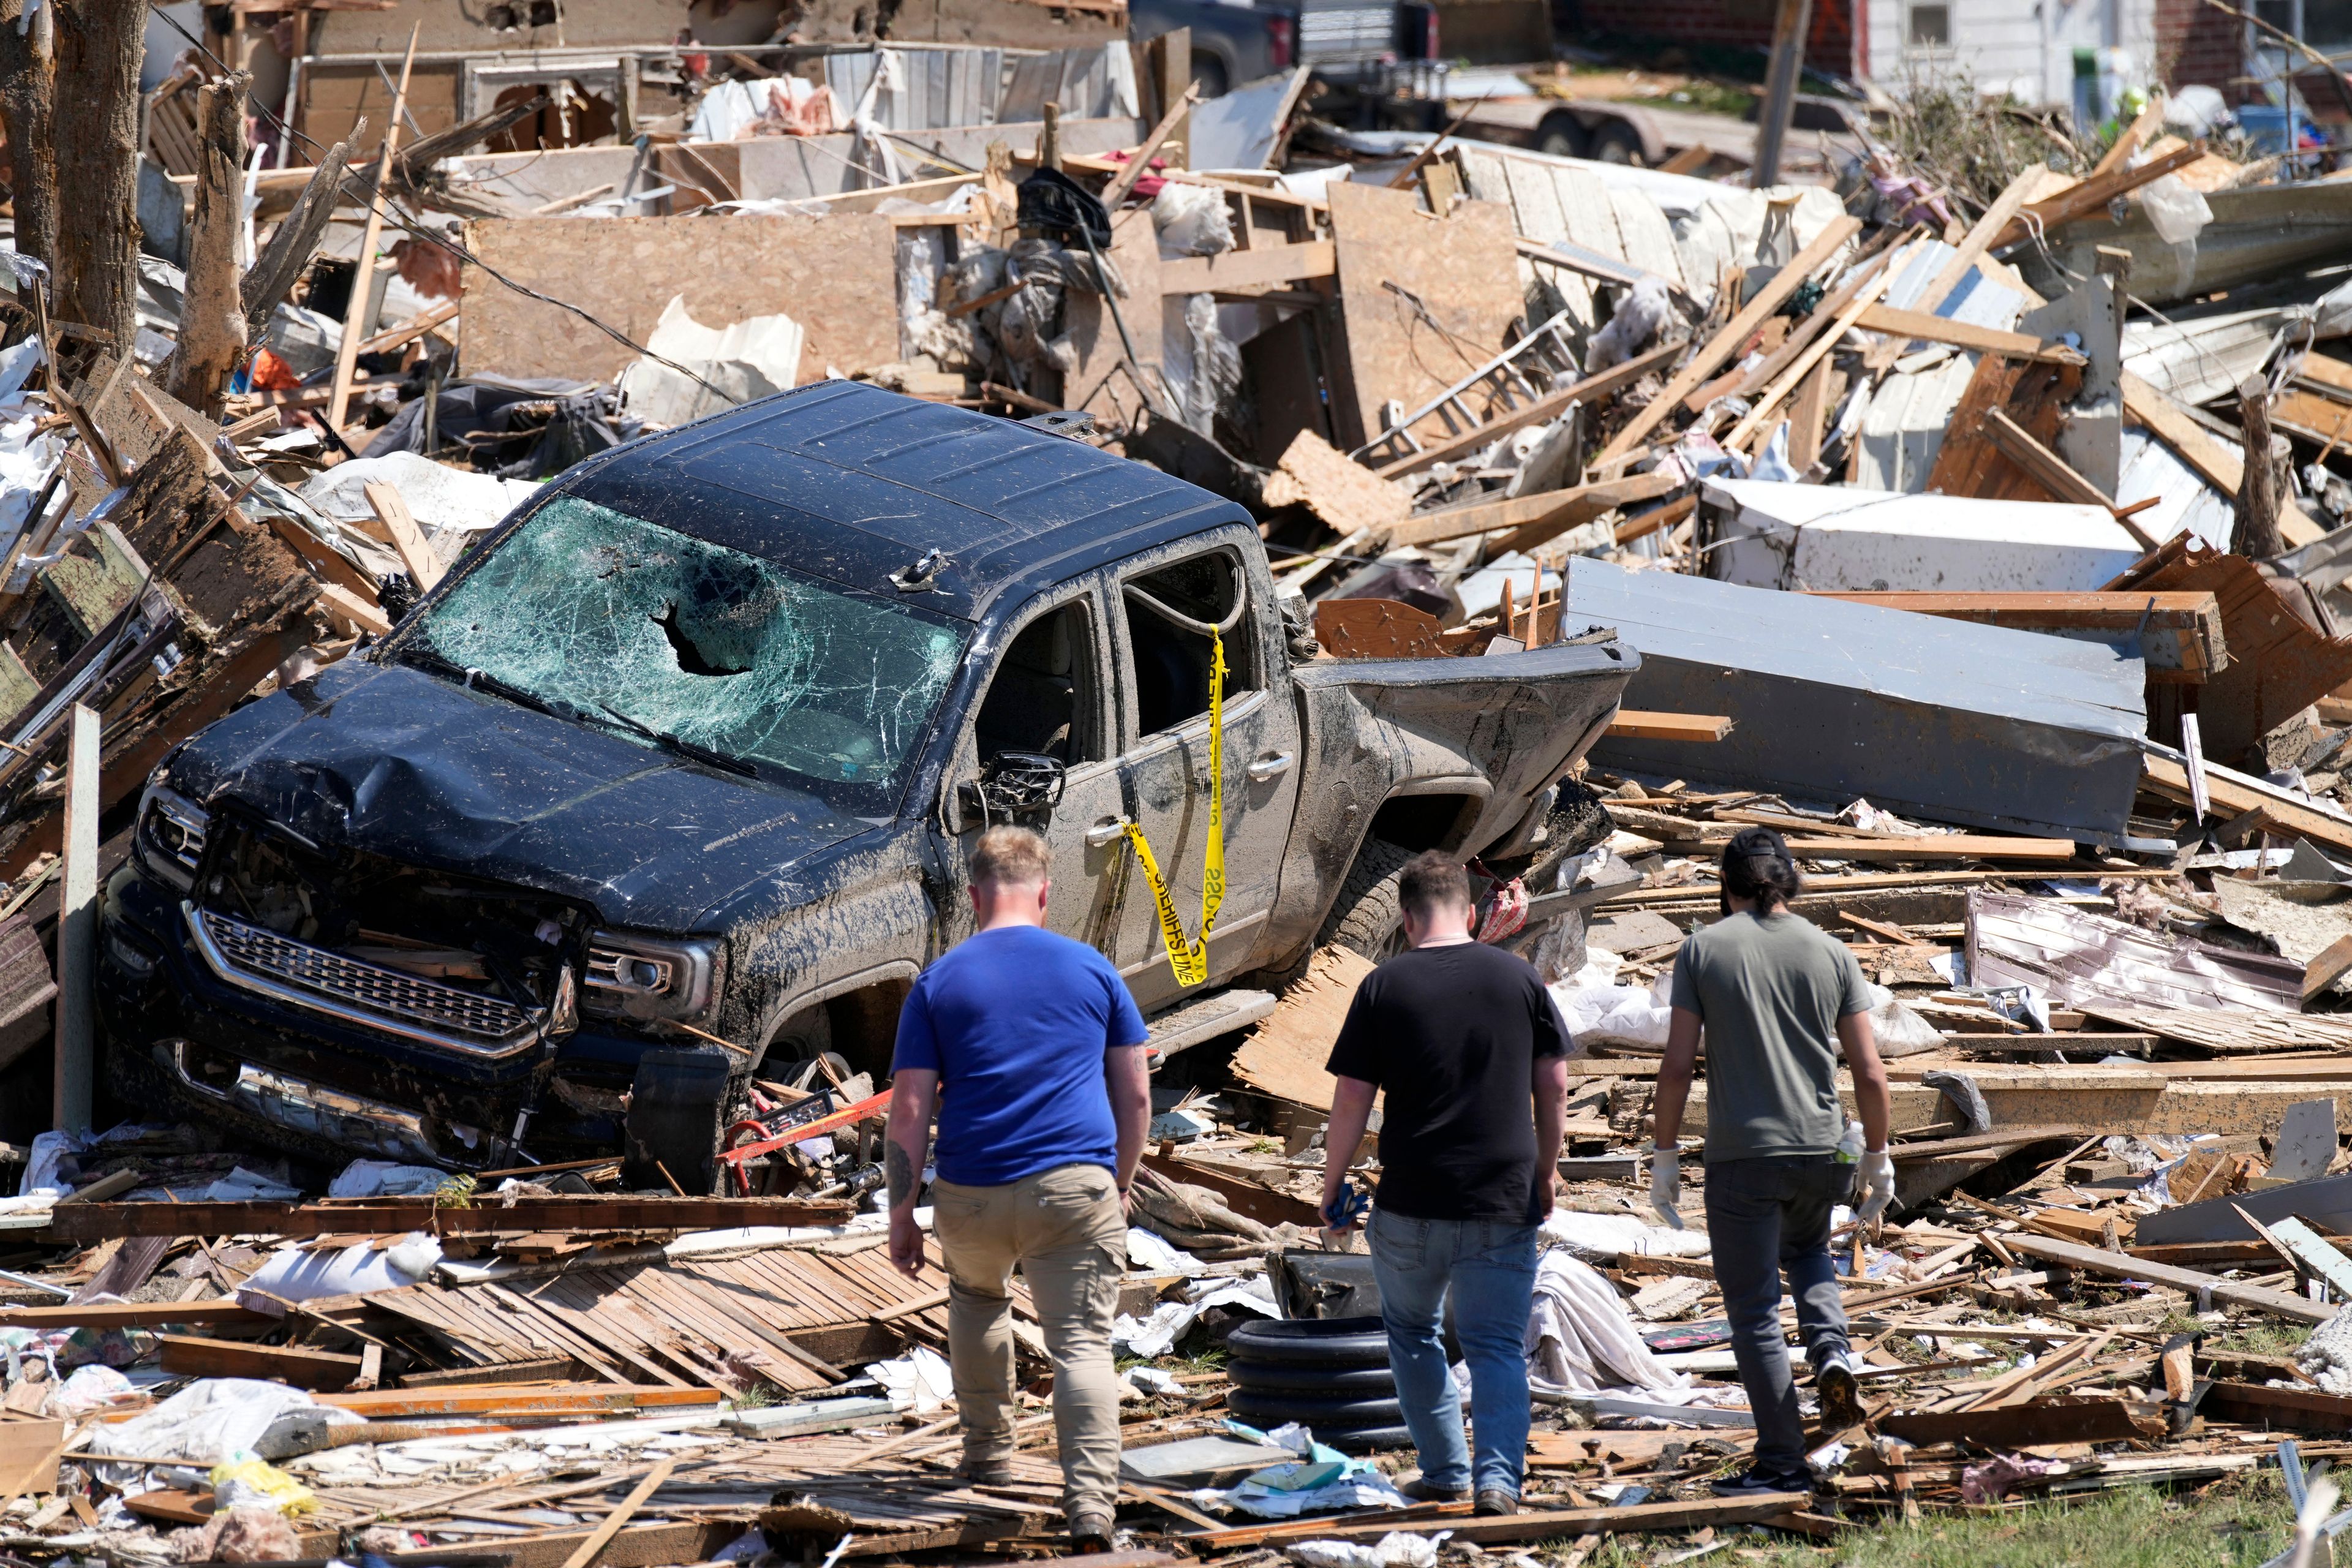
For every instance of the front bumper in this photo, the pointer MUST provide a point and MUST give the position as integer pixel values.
(218, 1020)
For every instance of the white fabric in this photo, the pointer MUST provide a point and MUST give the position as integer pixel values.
(385, 1178)
(289, 1274)
(1580, 1340)
(1606, 1237)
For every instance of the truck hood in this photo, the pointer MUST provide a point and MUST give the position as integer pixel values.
(393, 761)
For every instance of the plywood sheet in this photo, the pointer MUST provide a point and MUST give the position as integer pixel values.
(1464, 268)
(1093, 330)
(836, 275)
(1284, 1056)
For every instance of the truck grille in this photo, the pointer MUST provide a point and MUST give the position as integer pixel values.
(259, 952)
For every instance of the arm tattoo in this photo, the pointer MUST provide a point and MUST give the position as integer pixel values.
(898, 1171)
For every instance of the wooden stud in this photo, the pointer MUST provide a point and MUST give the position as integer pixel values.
(355, 311)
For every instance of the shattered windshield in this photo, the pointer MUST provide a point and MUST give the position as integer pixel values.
(654, 633)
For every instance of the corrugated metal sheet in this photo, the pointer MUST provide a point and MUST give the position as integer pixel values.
(2187, 502)
(1094, 82)
(1904, 426)
(2073, 956)
(1960, 723)
(2198, 361)
(924, 89)
(1839, 537)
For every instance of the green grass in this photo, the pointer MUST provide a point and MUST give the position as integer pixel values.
(1705, 97)
(2233, 1523)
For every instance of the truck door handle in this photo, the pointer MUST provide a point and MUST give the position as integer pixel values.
(1106, 833)
(1272, 765)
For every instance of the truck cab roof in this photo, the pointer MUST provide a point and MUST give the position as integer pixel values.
(853, 484)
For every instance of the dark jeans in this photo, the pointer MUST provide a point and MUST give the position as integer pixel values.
(1489, 1270)
(1762, 1217)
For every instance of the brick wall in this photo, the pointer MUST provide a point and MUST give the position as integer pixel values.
(2196, 43)
(1737, 24)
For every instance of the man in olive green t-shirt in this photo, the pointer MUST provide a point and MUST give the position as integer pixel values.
(1780, 1001)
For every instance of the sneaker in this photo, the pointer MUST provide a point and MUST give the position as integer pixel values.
(1751, 1483)
(1421, 1491)
(1838, 1382)
(1496, 1500)
(1091, 1531)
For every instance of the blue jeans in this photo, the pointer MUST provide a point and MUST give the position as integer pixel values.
(1415, 1261)
(1765, 1216)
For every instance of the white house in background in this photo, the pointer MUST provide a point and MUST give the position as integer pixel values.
(2033, 49)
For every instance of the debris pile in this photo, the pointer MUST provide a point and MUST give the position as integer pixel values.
(507, 632)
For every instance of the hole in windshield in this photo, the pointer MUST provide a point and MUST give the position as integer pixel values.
(590, 609)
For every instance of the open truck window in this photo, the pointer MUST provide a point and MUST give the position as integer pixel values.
(1041, 697)
(1168, 613)
(650, 633)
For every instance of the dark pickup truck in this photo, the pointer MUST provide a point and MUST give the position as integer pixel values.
(676, 774)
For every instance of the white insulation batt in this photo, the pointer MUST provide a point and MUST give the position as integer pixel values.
(1835, 538)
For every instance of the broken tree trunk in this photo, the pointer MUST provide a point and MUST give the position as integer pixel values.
(96, 135)
(28, 78)
(212, 321)
(2256, 533)
(273, 273)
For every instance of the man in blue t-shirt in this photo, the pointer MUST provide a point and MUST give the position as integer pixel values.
(1032, 1050)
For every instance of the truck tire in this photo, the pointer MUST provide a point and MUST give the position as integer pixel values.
(1210, 75)
(676, 1110)
(1367, 916)
(1274, 1378)
(1329, 1342)
(1364, 1439)
(1266, 1410)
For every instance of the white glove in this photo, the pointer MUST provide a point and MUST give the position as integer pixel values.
(1877, 1185)
(1666, 1183)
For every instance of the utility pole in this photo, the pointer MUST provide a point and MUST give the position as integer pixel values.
(1789, 27)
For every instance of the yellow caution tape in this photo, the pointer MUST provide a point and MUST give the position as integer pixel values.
(1190, 960)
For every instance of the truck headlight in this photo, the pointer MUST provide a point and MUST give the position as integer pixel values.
(171, 838)
(649, 977)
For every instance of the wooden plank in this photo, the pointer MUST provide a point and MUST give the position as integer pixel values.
(1553, 510)
(2170, 779)
(2156, 412)
(1979, 237)
(1266, 266)
(353, 612)
(1640, 724)
(103, 1315)
(1591, 389)
(2088, 611)
(186, 1356)
(2329, 967)
(1934, 847)
(519, 1399)
(1659, 1517)
(2091, 196)
(393, 1217)
(355, 314)
(2298, 1409)
(591, 1549)
(1920, 326)
(408, 539)
(2119, 1266)
(1718, 351)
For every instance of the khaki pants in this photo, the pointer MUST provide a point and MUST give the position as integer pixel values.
(1065, 1230)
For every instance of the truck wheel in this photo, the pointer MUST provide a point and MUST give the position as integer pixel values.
(1209, 76)
(676, 1108)
(1367, 916)
(803, 1037)
(1618, 144)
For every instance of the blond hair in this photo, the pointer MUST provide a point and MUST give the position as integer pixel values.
(1012, 857)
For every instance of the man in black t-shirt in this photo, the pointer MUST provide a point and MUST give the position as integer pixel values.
(1466, 1040)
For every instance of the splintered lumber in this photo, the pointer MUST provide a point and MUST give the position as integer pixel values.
(519, 1399)
(2257, 1405)
(2051, 1419)
(593, 1547)
(1918, 325)
(2120, 1266)
(1552, 404)
(1266, 266)
(1719, 350)
(1634, 723)
(355, 322)
(2170, 780)
(405, 538)
(103, 1315)
(2165, 419)
(186, 1355)
(1981, 234)
(396, 1216)
(2091, 196)
(1934, 847)
(1660, 1517)
(1534, 518)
